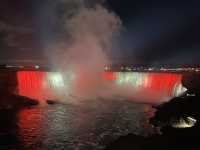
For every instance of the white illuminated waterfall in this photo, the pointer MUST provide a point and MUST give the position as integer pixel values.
(54, 85)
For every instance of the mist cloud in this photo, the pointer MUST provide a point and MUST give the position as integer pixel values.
(81, 37)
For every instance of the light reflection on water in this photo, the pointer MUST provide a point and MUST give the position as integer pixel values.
(88, 127)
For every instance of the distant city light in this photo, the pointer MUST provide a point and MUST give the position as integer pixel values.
(128, 69)
(106, 68)
(37, 67)
(9, 66)
(21, 66)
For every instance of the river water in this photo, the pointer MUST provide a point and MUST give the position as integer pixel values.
(86, 124)
(73, 127)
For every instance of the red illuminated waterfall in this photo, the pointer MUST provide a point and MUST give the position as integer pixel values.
(151, 86)
(32, 84)
(43, 85)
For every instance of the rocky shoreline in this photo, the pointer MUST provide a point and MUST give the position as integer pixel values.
(166, 116)
(12, 102)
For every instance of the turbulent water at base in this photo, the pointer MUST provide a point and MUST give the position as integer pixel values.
(158, 87)
(83, 124)
(89, 126)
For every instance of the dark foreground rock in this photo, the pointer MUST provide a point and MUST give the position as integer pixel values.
(192, 82)
(12, 101)
(8, 86)
(51, 102)
(171, 138)
(177, 108)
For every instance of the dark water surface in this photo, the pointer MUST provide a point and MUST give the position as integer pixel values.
(84, 126)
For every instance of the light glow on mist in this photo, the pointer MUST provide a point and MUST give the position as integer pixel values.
(53, 85)
(80, 52)
(55, 79)
(187, 122)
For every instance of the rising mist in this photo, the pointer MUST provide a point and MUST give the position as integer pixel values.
(81, 57)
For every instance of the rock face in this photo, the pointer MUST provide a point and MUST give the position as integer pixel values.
(51, 102)
(192, 82)
(8, 88)
(171, 139)
(167, 114)
(10, 101)
(8, 81)
(180, 107)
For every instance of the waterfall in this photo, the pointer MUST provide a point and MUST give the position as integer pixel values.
(51, 85)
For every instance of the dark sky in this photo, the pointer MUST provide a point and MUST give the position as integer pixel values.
(155, 32)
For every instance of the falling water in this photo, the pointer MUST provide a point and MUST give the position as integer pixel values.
(91, 30)
(158, 87)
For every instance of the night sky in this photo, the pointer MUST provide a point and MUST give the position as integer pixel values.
(154, 32)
